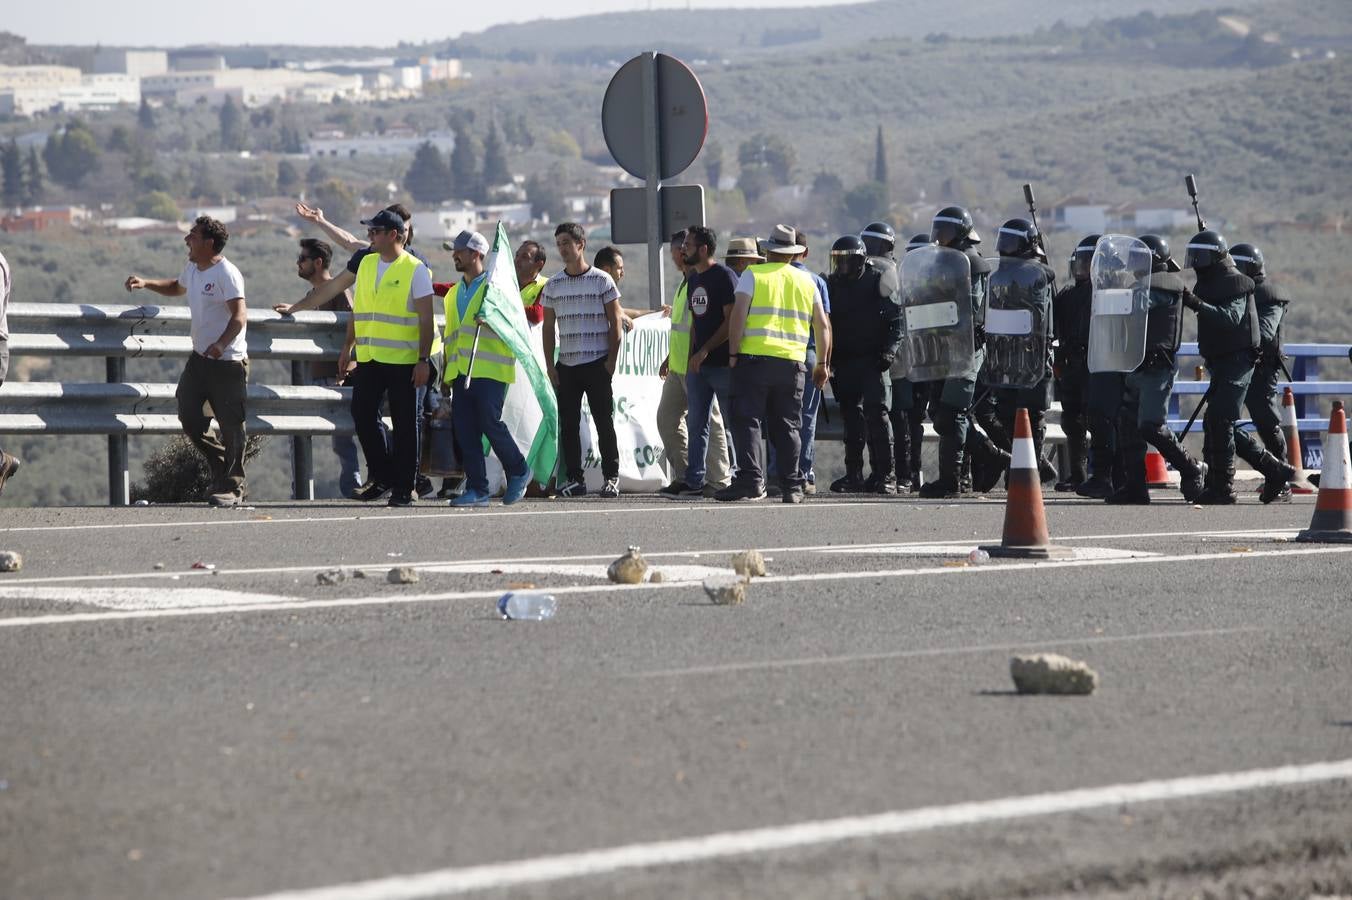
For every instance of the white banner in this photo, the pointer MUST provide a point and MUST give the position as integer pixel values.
(637, 389)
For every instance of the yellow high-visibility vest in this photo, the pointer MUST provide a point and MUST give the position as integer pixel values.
(493, 359)
(386, 331)
(531, 292)
(779, 321)
(678, 351)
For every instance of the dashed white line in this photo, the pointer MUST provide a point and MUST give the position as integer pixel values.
(729, 844)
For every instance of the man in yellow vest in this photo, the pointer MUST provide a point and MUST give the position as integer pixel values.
(777, 309)
(479, 376)
(672, 406)
(529, 262)
(391, 329)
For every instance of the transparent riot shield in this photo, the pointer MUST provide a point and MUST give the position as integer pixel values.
(1120, 273)
(936, 289)
(1018, 324)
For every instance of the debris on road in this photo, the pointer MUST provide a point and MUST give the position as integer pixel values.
(1051, 673)
(10, 560)
(158, 566)
(628, 569)
(358, 573)
(978, 557)
(402, 575)
(656, 577)
(726, 590)
(749, 563)
(204, 565)
(331, 577)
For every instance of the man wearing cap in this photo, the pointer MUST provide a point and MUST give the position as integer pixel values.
(479, 373)
(776, 310)
(741, 253)
(391, 329)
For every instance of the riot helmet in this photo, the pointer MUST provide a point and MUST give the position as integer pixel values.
(1017, 237)
(848, 257)
(917, 241)
(952, 227)
(1206, 249)
(1249, 260)
(1082, 256)
(879, 239)
(1161, 259)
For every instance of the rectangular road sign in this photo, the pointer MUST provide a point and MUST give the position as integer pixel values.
(682, 205)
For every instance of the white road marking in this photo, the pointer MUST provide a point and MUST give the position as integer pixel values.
(729, 844)
(964, 549)
(394, 599)
(144, 598)
(677, 573)
(850, 659)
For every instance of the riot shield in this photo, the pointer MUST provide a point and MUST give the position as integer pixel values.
(1018, 324)
(1120, 273)
(936, 289)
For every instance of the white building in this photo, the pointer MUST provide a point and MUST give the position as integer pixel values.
(131, 62)
(446, 222)
(509, 214)
(337, 144)
(222, 214)
(252, 87)
(29, 94)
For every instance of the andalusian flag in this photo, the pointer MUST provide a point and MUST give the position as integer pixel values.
(531, 412)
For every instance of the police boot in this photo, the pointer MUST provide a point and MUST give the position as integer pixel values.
(1077, 454)
(881, 483)
(852, 482)
(1134, 492)
(989, 464)
(1274, 440)
(950, 468)
(1099, 486)
(1277, 483)
(1046, 471)
(1190, 471)
(1220, 481)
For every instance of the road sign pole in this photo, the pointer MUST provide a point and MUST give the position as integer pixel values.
(652, 153)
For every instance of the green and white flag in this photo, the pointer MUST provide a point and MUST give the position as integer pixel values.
(533, 419)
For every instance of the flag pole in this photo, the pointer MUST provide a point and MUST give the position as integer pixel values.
(474, 348)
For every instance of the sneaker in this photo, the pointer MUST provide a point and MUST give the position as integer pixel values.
(573, 489)
(454, 487)
(423, 488)
(675, 489)
(372, 490)
(810, 488)
(471, 499)
(9, 464)
(400, 500)
(611, 489)
(792, 495)
(225, 500)
(735, 491)
(516, 488)
(711, 490)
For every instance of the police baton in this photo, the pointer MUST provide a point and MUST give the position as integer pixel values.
(473, 350)
(1190, 181)
(1041, 241)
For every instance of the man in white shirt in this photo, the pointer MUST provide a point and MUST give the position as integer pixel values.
(9, 463)
(218, 370)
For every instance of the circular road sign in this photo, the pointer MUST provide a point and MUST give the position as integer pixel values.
(682, 116)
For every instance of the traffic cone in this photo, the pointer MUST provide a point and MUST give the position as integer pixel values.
(1156, 474)
(1300, 482)
(1332, 520)
(1025, 535)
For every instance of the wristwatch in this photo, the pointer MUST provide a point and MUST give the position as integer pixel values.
(426, 359)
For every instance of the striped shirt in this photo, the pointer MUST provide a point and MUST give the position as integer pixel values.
(579, 306)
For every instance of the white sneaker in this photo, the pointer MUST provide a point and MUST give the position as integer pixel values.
(611, 489)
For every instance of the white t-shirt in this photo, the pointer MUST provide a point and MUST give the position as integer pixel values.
(209, 292)
(421, 286)
(579, 305)
(4, 298)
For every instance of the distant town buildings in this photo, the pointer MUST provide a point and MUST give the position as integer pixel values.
(32, 90)
(400, 142)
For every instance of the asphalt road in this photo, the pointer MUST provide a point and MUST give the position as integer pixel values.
(245, 731)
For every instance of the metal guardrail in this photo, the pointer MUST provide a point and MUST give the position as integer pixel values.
(119, 408)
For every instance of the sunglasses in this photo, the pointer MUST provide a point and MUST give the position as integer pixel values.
(372, 232)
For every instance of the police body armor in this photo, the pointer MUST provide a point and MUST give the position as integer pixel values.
(1164, 325)
(1120, 274)
(858, 326)
(1219, 286)
(936, 287)
(1018, 323)
(1266, 295)
(1071, 310)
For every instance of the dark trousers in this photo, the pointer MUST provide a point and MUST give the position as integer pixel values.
(1265, 411)
(371, 382)
(1230, 377)
(225, 385)
(864, 395)
(767, 390)
(1072, 388)
(592, 381)
(476, 413)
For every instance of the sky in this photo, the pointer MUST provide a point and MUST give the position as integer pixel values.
(168, 24)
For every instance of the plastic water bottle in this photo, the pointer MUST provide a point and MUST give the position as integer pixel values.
(533, 606)
(978, 557)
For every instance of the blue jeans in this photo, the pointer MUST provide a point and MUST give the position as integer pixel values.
(700, 390)
(807, 429)
(345, 448)
(476, 413)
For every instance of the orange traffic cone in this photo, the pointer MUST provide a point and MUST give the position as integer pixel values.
(1025, 534)
(1156, 474)
(1300, 482)
(1332, 520)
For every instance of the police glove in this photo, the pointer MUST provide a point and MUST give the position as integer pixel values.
(1190, 300)
(885, 361)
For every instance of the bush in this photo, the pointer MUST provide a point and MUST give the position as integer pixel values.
(177, 473)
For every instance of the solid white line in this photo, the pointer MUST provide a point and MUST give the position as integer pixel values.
(936, 651)
(728, 844)
(396, 599)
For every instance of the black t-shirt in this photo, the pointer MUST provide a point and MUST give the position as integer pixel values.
(710, 297)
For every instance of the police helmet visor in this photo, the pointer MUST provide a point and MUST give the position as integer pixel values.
(1079, 263)
(1202, 255)
(847, 263)
(946, 232)
(1011, 242)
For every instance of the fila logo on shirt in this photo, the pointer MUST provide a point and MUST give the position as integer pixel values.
(209, 287)
(699, 301)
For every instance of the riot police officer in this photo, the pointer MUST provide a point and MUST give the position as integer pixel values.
(952, 228)
(1070, 319)
(1228, 339)
(907, 411)
(1018, 366)
(866, 325)
(1146, 405)
(1269, 457)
